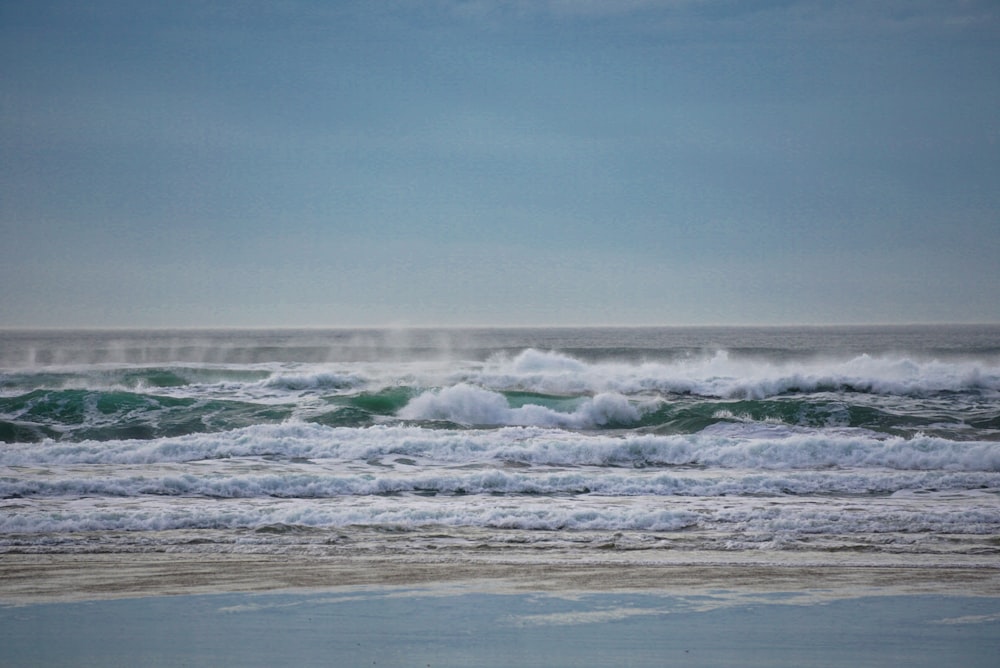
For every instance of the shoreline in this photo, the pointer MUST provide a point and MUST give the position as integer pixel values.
(27, 579)
(253, 610)
(398, 602)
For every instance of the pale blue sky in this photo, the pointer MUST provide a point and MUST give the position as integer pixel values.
(306, 163)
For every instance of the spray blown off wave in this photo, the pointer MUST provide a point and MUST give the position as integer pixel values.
(875, 439)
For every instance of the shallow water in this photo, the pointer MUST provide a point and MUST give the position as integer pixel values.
(455, 627)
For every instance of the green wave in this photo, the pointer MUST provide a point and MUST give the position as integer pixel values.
(97, 415)
(561, 403)
(131, 378)
(382, 402)
(690, 416)
(78, 414)
(25, 432)
(365, 408)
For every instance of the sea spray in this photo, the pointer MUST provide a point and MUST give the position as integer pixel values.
(879, 440)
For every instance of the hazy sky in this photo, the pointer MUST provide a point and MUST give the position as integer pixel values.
(311, 163)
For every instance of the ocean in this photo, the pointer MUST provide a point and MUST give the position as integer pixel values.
(823, 496)
(870, 444)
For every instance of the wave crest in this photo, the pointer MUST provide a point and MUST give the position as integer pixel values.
(472, 405)
(724, 376)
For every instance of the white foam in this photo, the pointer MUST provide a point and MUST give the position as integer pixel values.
(304, 481)
(323, 380)
(546, 362)
(721, 375)
(737, 445)
(471, 405)
(751, 522)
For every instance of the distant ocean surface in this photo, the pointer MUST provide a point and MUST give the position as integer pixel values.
(882, 440)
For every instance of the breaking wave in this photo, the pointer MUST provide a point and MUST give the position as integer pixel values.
(768, 447)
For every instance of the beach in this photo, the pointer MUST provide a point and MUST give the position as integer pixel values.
(55, 577)
(500, 333)
(189, 609)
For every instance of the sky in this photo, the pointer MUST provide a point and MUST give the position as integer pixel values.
(303, 163)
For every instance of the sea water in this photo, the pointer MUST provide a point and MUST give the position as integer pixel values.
(865, 440)
(407, 627)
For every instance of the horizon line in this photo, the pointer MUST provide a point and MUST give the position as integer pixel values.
(403, 326)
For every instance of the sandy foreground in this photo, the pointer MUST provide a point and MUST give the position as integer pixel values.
(35, 578)
(516, 606)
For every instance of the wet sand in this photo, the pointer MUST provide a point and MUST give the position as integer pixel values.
(33, 578)
(463, 624)
(517, 607)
